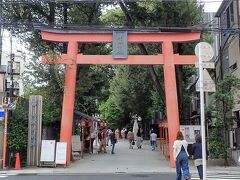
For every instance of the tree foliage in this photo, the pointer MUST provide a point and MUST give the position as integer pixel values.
(18, 129)
(121, 91)
(111, 112)
(146, 14)
(221, 120)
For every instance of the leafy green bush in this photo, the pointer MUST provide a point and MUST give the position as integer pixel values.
(18, 130)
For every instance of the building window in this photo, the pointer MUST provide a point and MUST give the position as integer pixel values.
(237, 115)
(233, 67)
(16, 67)
(8, 85)
(230, 16)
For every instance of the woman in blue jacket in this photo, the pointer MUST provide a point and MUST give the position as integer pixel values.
(197, 155)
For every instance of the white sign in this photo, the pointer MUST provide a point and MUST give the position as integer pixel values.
(208, 83)
(206, 87)
(61, 153)
(206, 65)
(206, 51)
(189, 132)
(48, 150)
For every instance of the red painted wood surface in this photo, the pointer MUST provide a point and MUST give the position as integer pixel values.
(168, 59)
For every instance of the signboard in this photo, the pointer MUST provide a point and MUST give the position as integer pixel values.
(48, 150)
(189, 132)
(61, 153)
(120, 41)
(2, 114)
(208, 83)
(206, 53)
(9, 102)
(207, 65)
(207, 87)
(76, 143)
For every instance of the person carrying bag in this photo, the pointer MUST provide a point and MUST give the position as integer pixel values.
(197, 155)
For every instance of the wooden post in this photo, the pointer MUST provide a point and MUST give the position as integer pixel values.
(68, 99)
(171, 96)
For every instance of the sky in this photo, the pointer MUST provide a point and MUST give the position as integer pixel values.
(211, 5)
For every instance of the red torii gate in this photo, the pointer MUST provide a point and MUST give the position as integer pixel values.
(168, 59)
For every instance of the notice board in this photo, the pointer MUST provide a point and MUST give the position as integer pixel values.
(76, 143)
(61, 153)
(189, 132)
(48, 150)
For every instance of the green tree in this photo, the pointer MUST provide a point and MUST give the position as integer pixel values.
(131, 90)
(155, 14)
(224, 101)
(93, 82)
(111, 112)
(18, 129)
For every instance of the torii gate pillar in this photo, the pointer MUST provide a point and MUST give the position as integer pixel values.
(171, 95)
(68, 99)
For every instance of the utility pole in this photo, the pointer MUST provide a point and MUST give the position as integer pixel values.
(205, 53)
(12, 56)
(10, 95)
(202, 114)
(1, 30)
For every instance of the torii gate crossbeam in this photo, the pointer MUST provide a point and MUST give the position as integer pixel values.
(168, 59)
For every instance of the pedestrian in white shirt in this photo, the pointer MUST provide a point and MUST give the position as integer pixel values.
(180, 155)
(153, 139)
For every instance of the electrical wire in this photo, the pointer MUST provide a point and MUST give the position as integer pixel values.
(79, 27)
(201, 27)
(93, 1)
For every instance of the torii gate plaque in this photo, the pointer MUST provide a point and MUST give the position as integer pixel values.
(168, 59)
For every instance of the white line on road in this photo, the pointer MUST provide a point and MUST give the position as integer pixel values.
(3, 176)
(219, 177)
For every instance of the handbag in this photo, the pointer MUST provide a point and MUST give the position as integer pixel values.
(133, 143)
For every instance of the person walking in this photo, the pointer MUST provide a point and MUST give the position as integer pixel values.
(130, 137)
(153, 139)
(102, 139)
(123, 133)
(139, 139)
(197, 155)
(150, 132)
(109, 131)
(180, 155)
(117, 134)
(113, 140)
(93, 137)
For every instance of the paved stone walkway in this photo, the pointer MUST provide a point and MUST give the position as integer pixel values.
(124, 160)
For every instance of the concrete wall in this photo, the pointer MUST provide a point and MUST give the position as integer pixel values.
(234, 154)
